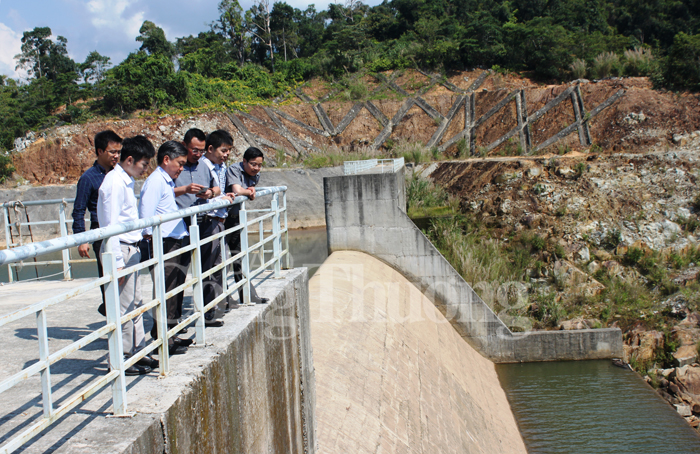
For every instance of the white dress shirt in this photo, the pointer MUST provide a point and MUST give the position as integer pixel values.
(158, 197)
(116, 204)
(218, 173)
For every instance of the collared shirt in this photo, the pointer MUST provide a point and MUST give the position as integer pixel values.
(158, 197)
(218, 173)
(236, 175)
(86, 197)
(116, 204)
(197, 173)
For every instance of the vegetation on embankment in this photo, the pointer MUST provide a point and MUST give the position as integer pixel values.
(257, 55)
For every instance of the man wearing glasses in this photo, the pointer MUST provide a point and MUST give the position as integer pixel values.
(108, 146)
(241, 179)
(194, 186)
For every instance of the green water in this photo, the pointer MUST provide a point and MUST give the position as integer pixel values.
(592, 407)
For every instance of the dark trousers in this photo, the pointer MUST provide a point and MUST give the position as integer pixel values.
(233, 240)
(175, 270)
(175, 273)
(96, 246)
(211, 256)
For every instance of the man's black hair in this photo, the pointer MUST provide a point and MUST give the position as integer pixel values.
(172, 150)
(218, 138)
(252, 153)
(137, 147)
(102, 139)
(195, 133)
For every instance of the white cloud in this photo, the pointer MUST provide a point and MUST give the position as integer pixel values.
(109, 14)
(10, 45)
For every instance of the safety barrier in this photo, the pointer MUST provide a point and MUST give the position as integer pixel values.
(386, 165)
(275, 217)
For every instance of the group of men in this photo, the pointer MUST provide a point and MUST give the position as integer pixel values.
(189, 173)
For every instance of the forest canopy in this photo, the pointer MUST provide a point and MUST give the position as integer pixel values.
(255, 55)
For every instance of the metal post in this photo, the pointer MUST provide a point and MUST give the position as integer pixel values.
(286, 230)
(8, 239)
(64, 233)
(261, 237)
(162, 309)
(42, 335)
(198, 294)
(224, 270)
(245, 264)
(114, 339)
(277, 241)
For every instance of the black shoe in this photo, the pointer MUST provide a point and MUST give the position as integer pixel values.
(180, 342)
(263, 301)
(176, 350)
(102, 309)
(147, 361)
(214, 323)
(137, 370)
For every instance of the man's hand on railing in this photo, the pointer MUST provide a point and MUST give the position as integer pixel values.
(84, 250)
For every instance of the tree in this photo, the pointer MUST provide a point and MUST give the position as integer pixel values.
(231, 24)
(94, 67)
(284, 28)
(41, 57)
(258, 24)
(154, 41)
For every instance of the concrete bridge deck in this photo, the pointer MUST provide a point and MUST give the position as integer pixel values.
(89, 429)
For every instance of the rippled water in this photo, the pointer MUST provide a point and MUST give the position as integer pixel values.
(592, 407)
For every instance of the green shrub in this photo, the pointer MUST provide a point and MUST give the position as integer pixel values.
(6, 168)
(462, 147)
(638, 62)
(607, 64)
(578, 68)
(633, 256)
(612, 239)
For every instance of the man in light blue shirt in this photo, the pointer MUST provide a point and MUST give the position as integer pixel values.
(158, 197)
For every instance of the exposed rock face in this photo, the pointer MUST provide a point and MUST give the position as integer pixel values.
(642, 345)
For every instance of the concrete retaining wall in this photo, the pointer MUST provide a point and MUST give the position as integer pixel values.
(251, 390)
(367, 213)
(304, 196)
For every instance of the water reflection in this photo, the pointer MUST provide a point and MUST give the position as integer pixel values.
(592, 407)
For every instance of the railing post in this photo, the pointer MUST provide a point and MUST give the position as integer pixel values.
(42, 335)
(224, 270)
(197, 289)
(245, 264)
(161, 311)
(8, 241)
(286, 231)
(64, 233)
(114, 339)
(277, 241)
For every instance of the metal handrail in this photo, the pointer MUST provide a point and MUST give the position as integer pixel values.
(113, 327)
(388, 165)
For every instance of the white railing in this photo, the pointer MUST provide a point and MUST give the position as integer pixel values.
(386, 165)
(276, 216)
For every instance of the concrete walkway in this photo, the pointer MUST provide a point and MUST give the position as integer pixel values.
(21, 405)
(392, 374)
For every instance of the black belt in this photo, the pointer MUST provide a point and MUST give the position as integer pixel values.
(215, 218)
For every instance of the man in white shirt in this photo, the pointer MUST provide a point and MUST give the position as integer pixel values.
(217, 148)
(116, 204)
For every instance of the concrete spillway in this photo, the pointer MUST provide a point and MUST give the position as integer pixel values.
(392, 374)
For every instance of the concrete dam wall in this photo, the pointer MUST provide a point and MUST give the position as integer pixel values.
(367, 213)
(392, 375)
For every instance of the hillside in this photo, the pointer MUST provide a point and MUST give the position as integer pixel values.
(466, 114)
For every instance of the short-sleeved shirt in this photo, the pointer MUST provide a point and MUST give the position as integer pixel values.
(193, 173)
(235, 174)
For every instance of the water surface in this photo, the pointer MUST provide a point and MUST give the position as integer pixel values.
(592, 407)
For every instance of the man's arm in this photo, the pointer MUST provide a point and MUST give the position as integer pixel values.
(108, 214)
(238, 190)
(82, 195)
(148, 203)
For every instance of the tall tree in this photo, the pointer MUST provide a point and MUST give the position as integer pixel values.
(231, 24)
(154, 41)
(94, 67)
(258, 23)
(284, 28)
(41, 57)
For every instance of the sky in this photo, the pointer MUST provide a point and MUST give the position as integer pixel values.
(108, 26)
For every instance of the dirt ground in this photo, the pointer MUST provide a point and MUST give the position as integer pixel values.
(643, 119)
